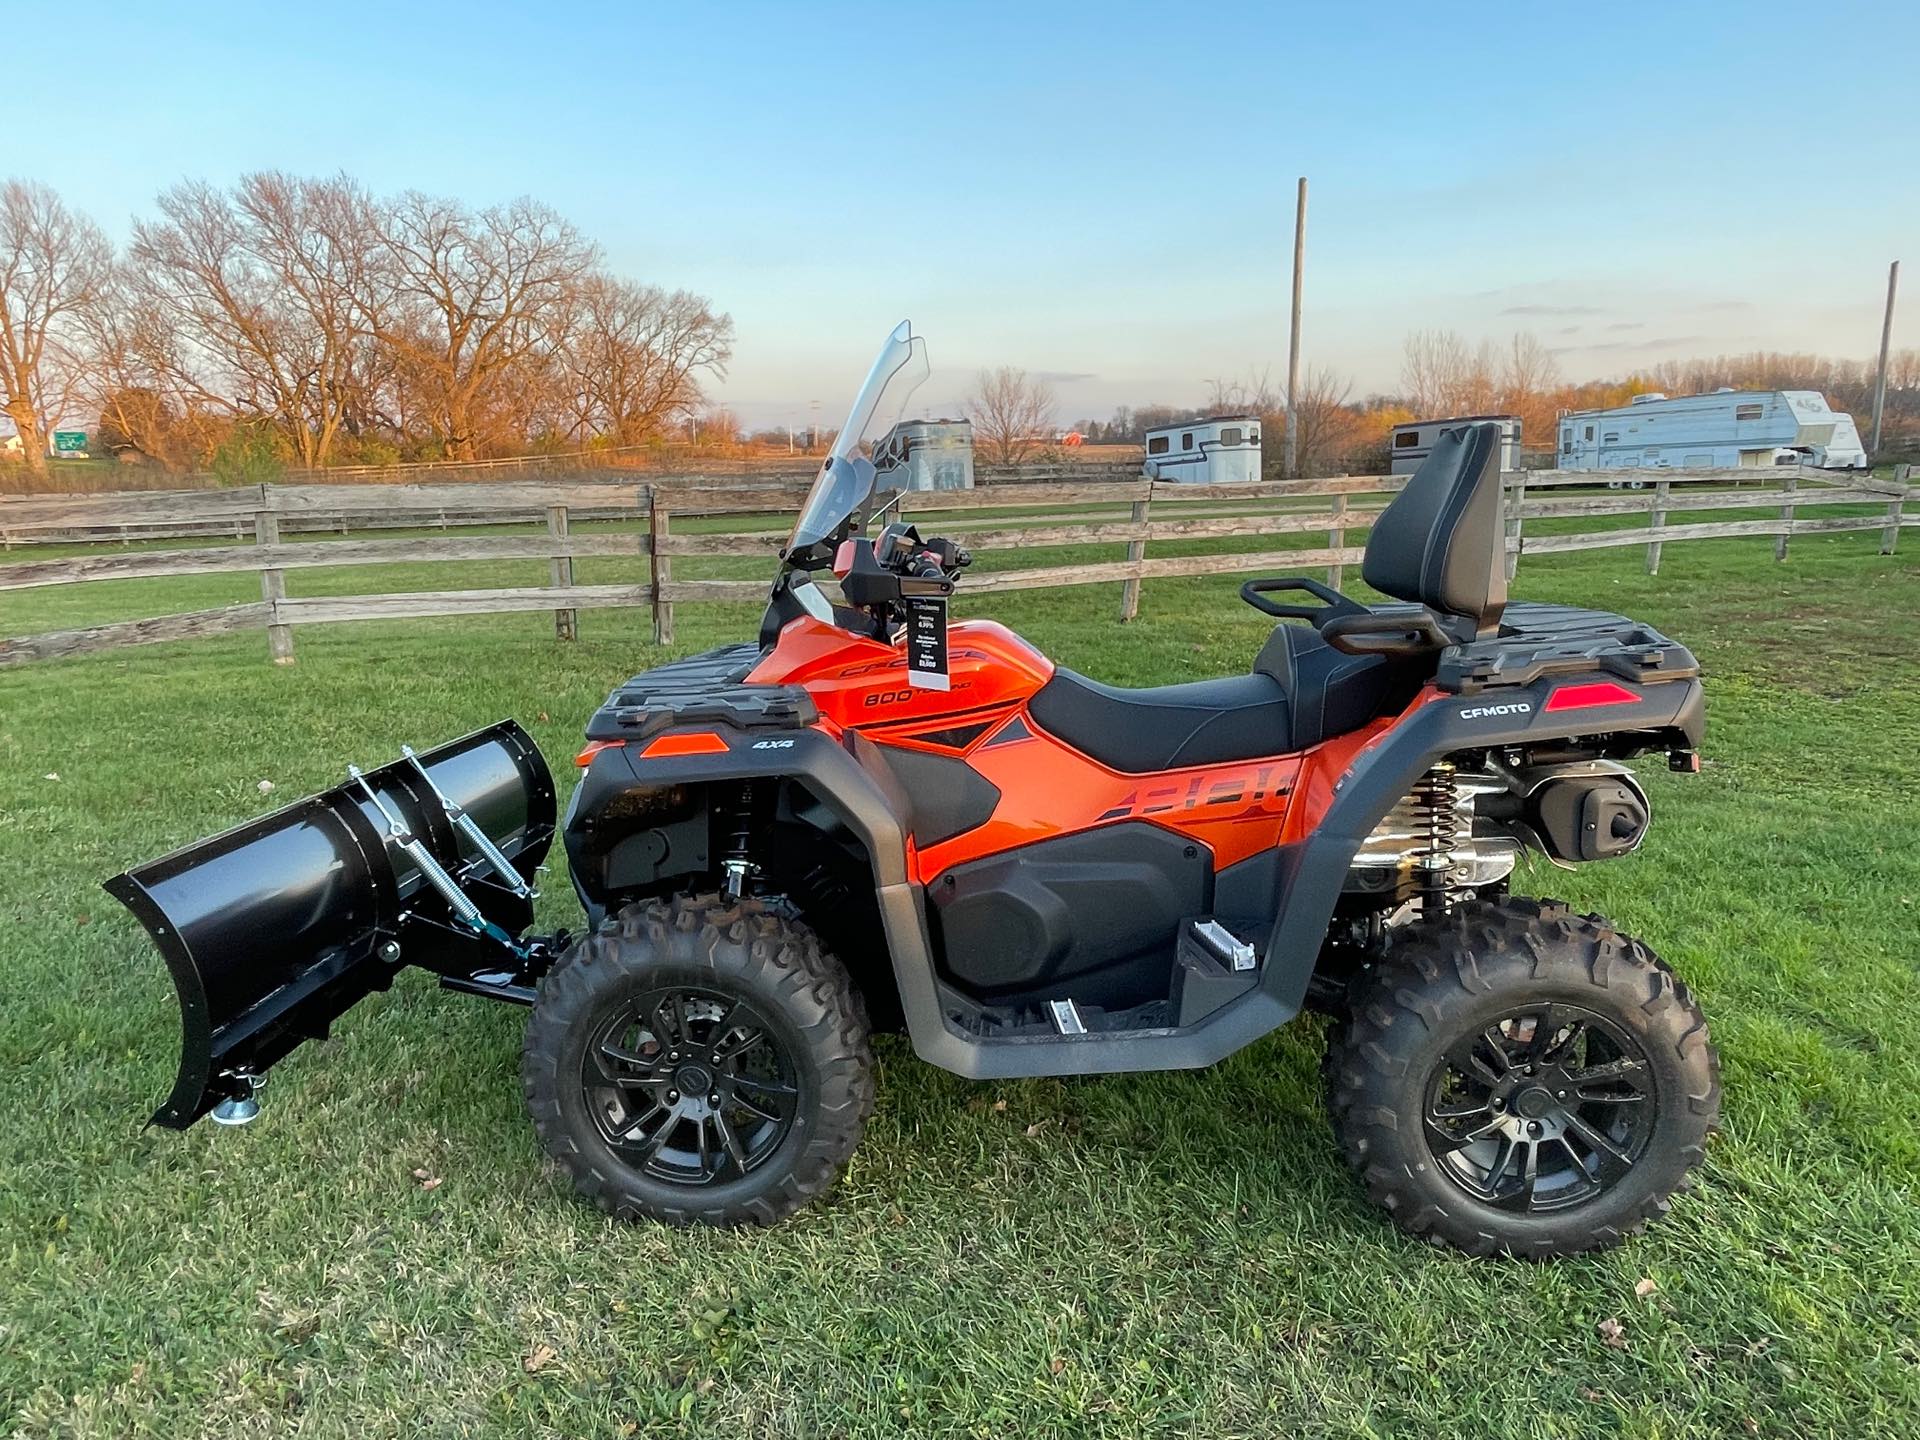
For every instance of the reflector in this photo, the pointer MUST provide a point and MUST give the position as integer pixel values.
(1588, 697)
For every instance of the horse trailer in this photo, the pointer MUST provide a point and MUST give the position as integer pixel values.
(1223, 450)
(930, 455)
(1414, 441)
(1725, 430)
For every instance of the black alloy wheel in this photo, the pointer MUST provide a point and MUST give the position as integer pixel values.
(690, 1086)
(699, 1061)
(1515, 1078)
(1541, 1109)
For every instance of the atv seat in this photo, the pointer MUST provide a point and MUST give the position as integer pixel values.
(1301, 691)
(1437, 547)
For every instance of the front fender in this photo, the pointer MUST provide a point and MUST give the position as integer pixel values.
(864, 796)
(848, 777)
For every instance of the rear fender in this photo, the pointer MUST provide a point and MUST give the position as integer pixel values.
(1313, 871)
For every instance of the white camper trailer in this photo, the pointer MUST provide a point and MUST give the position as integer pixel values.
(1413, 442)
(1725, 430)
(1224, 450)
(928, 455)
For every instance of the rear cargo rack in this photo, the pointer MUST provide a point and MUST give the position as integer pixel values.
(1537, 641)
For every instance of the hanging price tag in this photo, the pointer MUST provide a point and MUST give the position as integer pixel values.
(927, 642)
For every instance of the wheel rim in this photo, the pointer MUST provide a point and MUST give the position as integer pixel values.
(690, 1086)
(1542, 1109)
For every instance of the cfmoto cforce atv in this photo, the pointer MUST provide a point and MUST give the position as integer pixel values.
(868, 818)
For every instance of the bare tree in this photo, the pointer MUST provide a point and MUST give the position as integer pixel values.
(54, 267)
(147, 400)
(474, 296)
(632, 355)
(1330, 429)
(270, 288)
(1011, 414)
(1441, 376)
(1529, 378)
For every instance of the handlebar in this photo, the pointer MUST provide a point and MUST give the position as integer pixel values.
(897, 566)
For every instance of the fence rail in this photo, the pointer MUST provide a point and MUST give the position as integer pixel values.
(1130, 512)
(402, 503)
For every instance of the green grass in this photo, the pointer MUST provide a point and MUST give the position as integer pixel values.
(1162, 1254)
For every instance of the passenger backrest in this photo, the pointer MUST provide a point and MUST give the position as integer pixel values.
(1440, 543)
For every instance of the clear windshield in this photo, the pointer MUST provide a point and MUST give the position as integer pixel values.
(846, 477)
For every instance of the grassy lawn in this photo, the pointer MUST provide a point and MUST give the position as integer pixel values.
(1164, 1254)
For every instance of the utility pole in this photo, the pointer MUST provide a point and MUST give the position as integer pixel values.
(1886, 337)
(1293, 341)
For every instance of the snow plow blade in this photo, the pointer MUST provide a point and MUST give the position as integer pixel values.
(275, 928)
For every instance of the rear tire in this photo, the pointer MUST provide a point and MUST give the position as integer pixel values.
(1522, 1080)
(699, 1061)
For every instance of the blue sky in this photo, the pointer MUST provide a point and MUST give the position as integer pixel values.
(1100, 192)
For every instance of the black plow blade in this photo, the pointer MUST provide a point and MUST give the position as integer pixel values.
(275, 928)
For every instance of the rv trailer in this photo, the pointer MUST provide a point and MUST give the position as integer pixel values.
(1413, 442)
(1222, 450)
(1725, 430)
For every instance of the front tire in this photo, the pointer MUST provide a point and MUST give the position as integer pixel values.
(1523, 1080)
(699, 1061)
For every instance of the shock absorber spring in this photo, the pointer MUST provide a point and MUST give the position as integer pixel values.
(1435, 801)
(737, 867)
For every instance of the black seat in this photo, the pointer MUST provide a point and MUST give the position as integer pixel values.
(1440, 543)
(1437, 547)
(1333, 692)
(1301, 691)
(1166, 726)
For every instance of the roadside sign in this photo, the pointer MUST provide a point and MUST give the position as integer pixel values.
(69, 442)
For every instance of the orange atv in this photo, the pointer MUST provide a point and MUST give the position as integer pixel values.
(870, 818)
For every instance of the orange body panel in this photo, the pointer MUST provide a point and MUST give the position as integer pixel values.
(1047, 788)
(857, 682)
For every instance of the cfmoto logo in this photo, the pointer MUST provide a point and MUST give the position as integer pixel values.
(1488, 712)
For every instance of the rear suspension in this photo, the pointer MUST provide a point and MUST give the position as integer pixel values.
(1434, 806)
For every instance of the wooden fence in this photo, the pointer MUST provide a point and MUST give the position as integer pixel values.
(1134, 512)
(357, 503)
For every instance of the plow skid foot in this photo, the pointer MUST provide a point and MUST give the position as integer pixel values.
(275, 928)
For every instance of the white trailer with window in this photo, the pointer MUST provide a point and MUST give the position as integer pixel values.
(1223, 450)
(1413, 442)
(928, 455)
(1724, 430)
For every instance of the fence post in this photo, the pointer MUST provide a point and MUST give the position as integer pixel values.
(1656, 522)
(1890, 536)
(566, 623)
(1516, 497)
(1337, 541)
(1786, 514)
(661, 566)
(1136, 552)
(273, 583)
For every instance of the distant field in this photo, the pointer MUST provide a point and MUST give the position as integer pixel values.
(1168, 1254)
